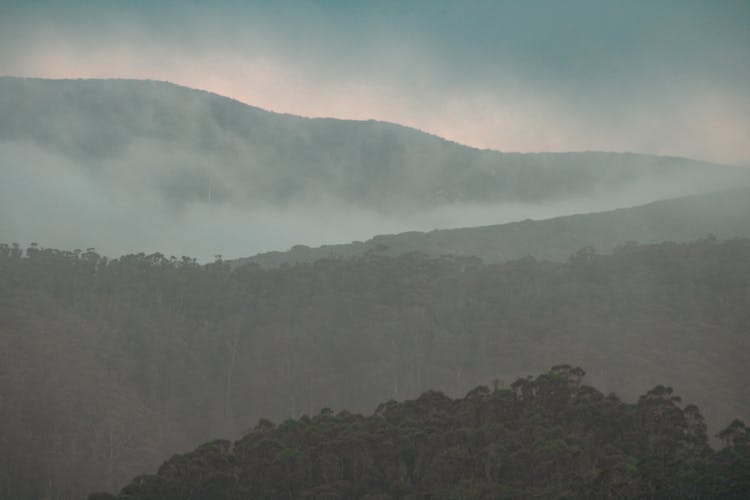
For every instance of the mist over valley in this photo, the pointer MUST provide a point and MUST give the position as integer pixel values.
(374, 250)
(143, 166)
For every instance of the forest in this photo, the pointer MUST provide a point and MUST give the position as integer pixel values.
(544, 437)
(722, 213)
(110, 366)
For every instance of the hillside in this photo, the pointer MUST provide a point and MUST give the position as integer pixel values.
(724, 214)
(254, 156)
(107, 367)
(544, 437)
(186, 169)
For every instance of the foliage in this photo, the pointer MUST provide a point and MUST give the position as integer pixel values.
(108, 366)
(525, 444)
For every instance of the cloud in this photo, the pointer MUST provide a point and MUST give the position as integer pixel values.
(124, 205)
(664, 79)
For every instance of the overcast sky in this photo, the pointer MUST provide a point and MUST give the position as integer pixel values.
(665, 77)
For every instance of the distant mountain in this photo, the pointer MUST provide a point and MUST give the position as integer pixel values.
(174, 165)
(210, 143)
(723, 214)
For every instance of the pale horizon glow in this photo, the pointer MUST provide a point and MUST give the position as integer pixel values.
(525, 122)
(478, 88)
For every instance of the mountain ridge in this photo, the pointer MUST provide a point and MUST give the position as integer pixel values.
(235, 118)
(360, 121)
(727, 214)
(201, 174)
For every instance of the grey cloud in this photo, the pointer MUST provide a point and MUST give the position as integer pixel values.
(665, 78)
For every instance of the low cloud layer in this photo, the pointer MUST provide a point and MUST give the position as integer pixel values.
(49, 199)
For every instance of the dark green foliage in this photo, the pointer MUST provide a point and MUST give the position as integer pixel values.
(107, 367)
(550, 438)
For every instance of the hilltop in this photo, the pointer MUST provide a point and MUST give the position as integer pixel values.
(544, 437)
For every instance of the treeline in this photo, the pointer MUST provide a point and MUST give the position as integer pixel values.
(545, 437)
(109, 366)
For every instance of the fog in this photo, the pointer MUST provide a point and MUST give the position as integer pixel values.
(153, 183)
(46, 200)
(356, 249)
(660, 78)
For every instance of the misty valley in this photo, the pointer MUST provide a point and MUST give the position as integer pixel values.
(201, 299)
(186, 172)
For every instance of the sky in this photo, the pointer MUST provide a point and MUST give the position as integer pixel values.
(656, 76)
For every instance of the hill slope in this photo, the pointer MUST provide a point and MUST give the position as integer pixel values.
(109, 366)
(253, 155)
(723, 214)
(185, 169)
(548, 437)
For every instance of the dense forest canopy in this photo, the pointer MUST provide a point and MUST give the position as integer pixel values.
(108, 366)
(544, 437)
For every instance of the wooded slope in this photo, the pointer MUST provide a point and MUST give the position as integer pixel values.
(724, 214)
(546, 437)
(109, 366)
